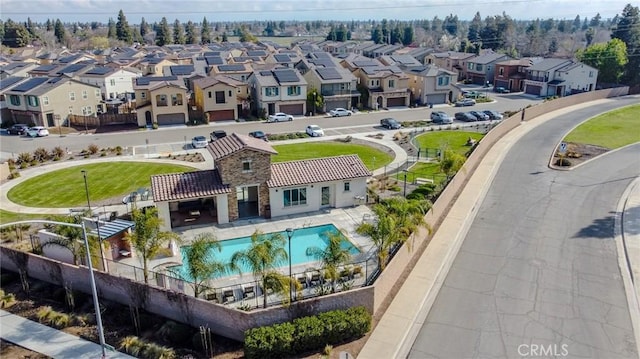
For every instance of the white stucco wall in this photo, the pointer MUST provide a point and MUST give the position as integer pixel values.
(163, 214)
(53, 251)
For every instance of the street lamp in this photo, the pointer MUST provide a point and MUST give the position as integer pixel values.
(86, 190)
(405, 183)
(94, 291)
(290, 234)
(314, 102)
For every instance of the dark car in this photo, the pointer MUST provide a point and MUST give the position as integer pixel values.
(481, 116)
(17, 129)
(259, 135)
(494, 115)
(501, 89)
(465, 102)
(390, 123)
(218, 134)
(465, 116)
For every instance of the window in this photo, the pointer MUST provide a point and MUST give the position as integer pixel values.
(293, 90)
(72, 96)
(220, 97)
(230, 93)
(392, 83)
(161, 100)
(85, 95)
(15, 100)
(143, 95)
(112, 82)
(45, 100)
(347, 186)
(176, 99)
(470, 66)
(246, 166)
(590, 73)
(209, 94)
(488, 67)
(33, 101)
(98, 95)
(295, 197)
(501, 71)
(271, 91)
(478, 67)
(87, 110)
(443, 81)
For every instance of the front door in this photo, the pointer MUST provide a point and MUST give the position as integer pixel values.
(326, 196)
(50, 121)
(247, 201)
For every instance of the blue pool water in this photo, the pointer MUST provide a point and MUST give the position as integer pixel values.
(302, 239)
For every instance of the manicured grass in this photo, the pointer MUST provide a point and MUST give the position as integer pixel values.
(8, 217)
(65, 187)
(455, 140)
(423, 170)
(611, 130)
(372, 158)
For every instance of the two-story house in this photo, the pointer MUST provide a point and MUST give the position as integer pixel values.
(161, 100)
(245, 184)
(278, 90)
(154, 65)
(481, 69)
(16, 69)
(240, 72)
(221, 98)
(559, 77)
(510, 74)
(7, 84)
(113, 83)
(431, 85)
(383, 86)
(45, 101)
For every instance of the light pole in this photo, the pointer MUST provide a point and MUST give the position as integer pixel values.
(86, 190)
(314, 102)
(290, 234)
(405, 183)
(94, 291)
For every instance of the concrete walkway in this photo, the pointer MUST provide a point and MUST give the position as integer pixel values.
(48, 341)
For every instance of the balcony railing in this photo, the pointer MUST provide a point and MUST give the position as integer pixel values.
(340, 93)
(538, 78)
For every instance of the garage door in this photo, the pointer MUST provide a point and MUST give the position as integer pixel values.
(533, 90)
(293, 109)
(437, 98)
(395, 101)
(336, 104)
(222, 115)
(171, 119)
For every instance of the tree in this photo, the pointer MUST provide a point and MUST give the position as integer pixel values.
(474, 29)
(144, 27)
(627, 29)
(163, 36)
(246, 36)
(178, 33)
(576, 24)
(407, 36)
(49, 25)
(332, 256)
(31, 28)
(409, 214)
(553, 46)
(200, 262)
(450, 24)
(610, 59)
(59, 31)
(451, 162)
(72, 238)
(595, 21)
(262, 258)
(123, 31)
(147, 239)
(383, 233)
(376, 35)
(396, 35)
(224, 37)
(190, 30)
(205, 32)
(15, 34)
(589, 35)
(112, 31)
(99, 42)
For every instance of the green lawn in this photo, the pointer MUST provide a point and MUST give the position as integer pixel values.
(372, 158)
(8, 217)
(65, 187)
(611, 130)
(455, 140)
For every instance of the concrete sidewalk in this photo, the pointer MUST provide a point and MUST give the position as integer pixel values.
(48, 341)
(628, 242)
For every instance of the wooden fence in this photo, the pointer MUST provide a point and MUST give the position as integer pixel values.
(102, 120)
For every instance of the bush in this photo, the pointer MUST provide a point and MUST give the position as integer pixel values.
(58, 152)
(175, 333)
(6, 300)
(139, 348)
(563, 162)
(93, 149)
(307, 333)
(44, 313)
(24, 158)
(40, 154)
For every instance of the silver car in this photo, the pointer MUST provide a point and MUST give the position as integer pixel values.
(339, 112)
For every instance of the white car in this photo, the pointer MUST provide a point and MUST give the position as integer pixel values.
(279, 117)
(199, 142)
(314, 131)
(339, 112)
(37, 131)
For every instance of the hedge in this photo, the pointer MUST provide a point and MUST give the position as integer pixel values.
(307, 333)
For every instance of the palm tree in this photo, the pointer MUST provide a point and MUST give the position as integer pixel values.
(409, 215)
(200, 261)
(383, 232)
(263, 257)
(147, 239)
(332, 256)
(71, 238)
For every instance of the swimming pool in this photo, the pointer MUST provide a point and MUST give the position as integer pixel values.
(302, 239)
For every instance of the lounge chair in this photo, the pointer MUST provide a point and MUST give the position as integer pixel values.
(228, 296)
(248, 291)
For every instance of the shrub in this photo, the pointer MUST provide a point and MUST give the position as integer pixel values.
(175, 333)
(93, 149)
(44, 313)
(6, 300)
(24, 158)
(563, 162)
(40, 154)
(14, 174)
(59, 320)
(269, 342)
(154, 126)
(132, 345)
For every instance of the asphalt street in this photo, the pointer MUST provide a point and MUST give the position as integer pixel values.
(537, 274)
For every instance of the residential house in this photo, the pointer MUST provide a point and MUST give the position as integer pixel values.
(245, 184)
(510, 74)
(431, 85)
(402, 61)
(5, 85)
(385, 86)
(161, 100)
(221, 98)
(278, 90)
(153, 65)
(240, 72)
(16, 69)
(450, 60)
(113, 83)
(48, 102)
(481, 69)
(559, 77)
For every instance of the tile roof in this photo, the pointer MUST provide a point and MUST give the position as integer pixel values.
(176, 186)
(317, 170)
(233, 143)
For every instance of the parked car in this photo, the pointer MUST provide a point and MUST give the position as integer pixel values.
(441, 117)
(481, 116)
(390, 123)
(259, 135)
(37, 131)
(474, 94)
(199, 142)
(339, 112)
(17, 129)
(218, 134)
(465, 102)
(279, 117)
(314, 131)
(465, 116)
(501, 89)
(493, 115)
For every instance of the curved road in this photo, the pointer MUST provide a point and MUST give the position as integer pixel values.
(537, 274)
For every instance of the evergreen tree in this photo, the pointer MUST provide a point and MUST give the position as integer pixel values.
(436, 24)
(450, 24)
(31, 28)
(474, 29)
(489, 34)
(49, 25)
(190, 30)
(407, 36)
(396, 35)
(376, 35)
(15, 34)
(112, 32)
(595, 21)
(59, 31)
(178, 33)
(576, 24)
(224, 37)
(205, 32)
(589, 35)
(123, 31)
(282, 26)
(553, 46)
(163, 34)
(628, 30)
(384, 26)
(144, 28)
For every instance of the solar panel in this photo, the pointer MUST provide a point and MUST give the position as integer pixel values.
(71, 69)
(67, 59)
(282, 58)
(363, 63)
(329, 73)
(286, 75)
(142, 81)
(182, 70)
(212, 53)
(214, 60)
(231, 67)
(4, 83)
(369, 70)
(265, 73)
(30, 84)
(99, 71)
(45, 68)
(256, 53)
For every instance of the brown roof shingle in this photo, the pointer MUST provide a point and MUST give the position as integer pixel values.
(233, 143)
(317, 170)
(176, 186)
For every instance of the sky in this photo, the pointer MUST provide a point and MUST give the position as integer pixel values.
(303, 10)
